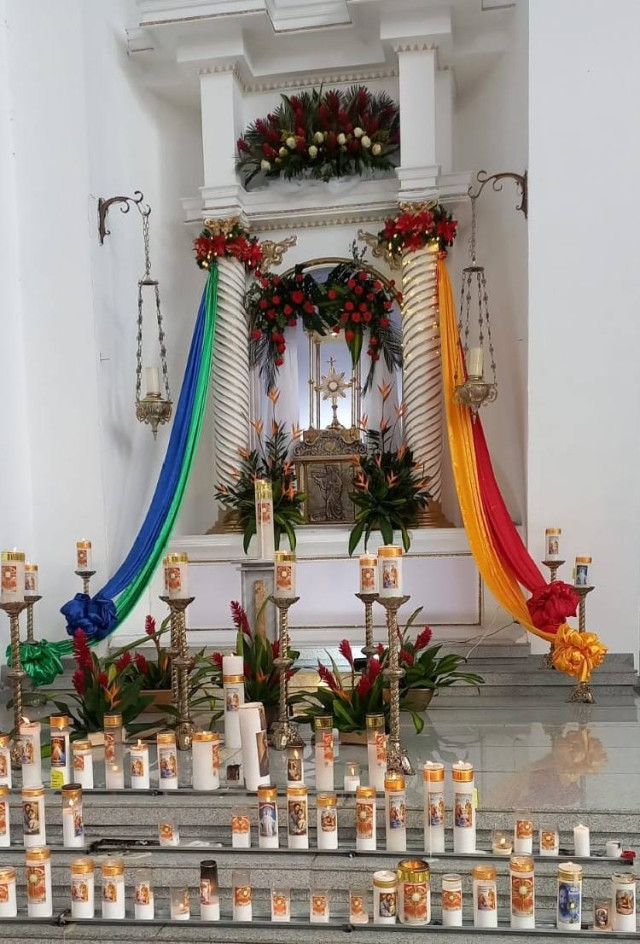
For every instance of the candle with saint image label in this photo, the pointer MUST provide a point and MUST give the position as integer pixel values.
(143, 897)
(33, 824)
(5, 824)
(569, 903)
(298, 817)
(485, 897)
(395, 812)
(8, 902)
(368, 573)
(523, 833)
(327, 820)
(552, 544)
(385, 897)
(5, 760)
(113, 751)
(38, 876)
(414, 892)
(206, 760)
(209, 890)
(475, 363)
(30, 579)
(240, 827)
(113, 902)
(324, 751)
(284, 575)
(83, 555)
(60, 735)
(82, 888)
(623, 901)
(83, 764)
(521, 881)
(366, 837)
(12, 580)
(390, 571)
(464, 814)
(242, 896)
(233, 687)
(72, 819)
(582, 573)
(167, 760)
(433, 780)
(30, 753)
(139, 766)
(176, 576)
(268, 817)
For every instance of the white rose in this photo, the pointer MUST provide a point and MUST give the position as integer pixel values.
(283, 152)
(376, 149)
(365, 141)
(313, 151)
(342, 139)
(318, 137)
(265, 165)
(291, 143)
(358, 132)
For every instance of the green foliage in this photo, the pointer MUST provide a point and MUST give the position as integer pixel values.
(348, 707)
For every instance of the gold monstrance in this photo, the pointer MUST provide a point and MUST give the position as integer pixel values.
(332, 386)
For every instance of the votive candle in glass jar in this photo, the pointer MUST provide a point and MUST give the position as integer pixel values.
(8, 901)
(82, 888)
(552, 544)
(240, 827)
(358, 910)
(385, 897)
(452, 900)
(295, 766)
(284, 582)
(569, 903)
(390, 570)
(38, 876)
(168, 833)
(176, 576)
(206, 760)
(319, 906)
(5, 823)
(139, 766)
(180, 904)
(30, 579)
(30, 753)
(12, 579)
(613, 849)
(280, 904)
(113, 751)
(523, 833)
(113, 903)
(433, 814)
(582, 575)
(83, 764)
(549, 841)
(327, 820)
(414, 892)
(72, 819)
(324, 751)
(395, 812)
(84, 561)
(298, 817)
(581, 841)
(464, 814)
(623, 901)
(5, 760)
(501, 843)
(602, 914)
(522, 886)
(167, 761)
(485, 897)
(368, 573)
(143, 897)
(268, 837)
(33, 825)
(366, 837)
(209, 890)
(376, 750)
(60, 735)
(242, 897)
(351, 776)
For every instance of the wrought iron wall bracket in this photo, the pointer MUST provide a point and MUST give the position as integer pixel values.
(520, 179)
(103, 209)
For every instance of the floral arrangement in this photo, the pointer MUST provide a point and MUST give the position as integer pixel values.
(269, 461)
(413, 230)
(389, 490)
(227, 238)
(155, 674)
(322, 135)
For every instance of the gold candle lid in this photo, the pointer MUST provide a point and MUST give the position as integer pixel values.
(365, 793)
(206, 736)
(583, 560)
(113, 867)
(282, 557)
(71, 790)
(484, 872)
(7, 874)
(570, 871)
(413, 870)
(433, 772)
(263, 488)
(83, 543)
(180, 558)
(301, 790)
(323, 721)
(80, 866)
(521, 863)
(166, 737)
(33, 791)
(5, 740)
(30, 567)
(4, 789)
(462, 772)
(82, 746)
(267, 792)
(623, 878)
(326, 799)
(553, 531)
(385, 878)
(38, 853)
(368, 560)
(389, 550)
(59, 721)
(16, 556)
(393, 781)
(374, 721)
(113, 720)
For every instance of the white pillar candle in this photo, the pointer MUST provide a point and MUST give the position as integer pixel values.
(113, 897)
(582, 574)
(376, 750)
(284, 580)
(623, 901)
(523, 833)
(8, 902)
(255, 752)
(552, 544)
(390, 571)
(581, 842)
(240, 828)
(33, 825)
(38, 879)
(268, 818)
(464, 814)
(368, 573)
(5, 823)
(167, 761)
(84, 559)
(209, 891)
(414, 892)
(280, 904)
(152, 376)
(168, 833)
(452, 900)
(113, 751)
(30, 579)
(385, 897)
(501, 843)
(613, 849)
(12, 580)
(569, 902)
(233, 685)
(324, 752)
(351, 776)
(295, 766)
(143, 897)
(327, 820)
(206, 760)
(83, 764)
(72, 820)
(5, 760)
(366, 819)
(180, 904)
(395, 812)
(522, 895)
(139, 766)
(298, 817)
(30, 753)
(176, 576)
(60, 735)
(264, 519)
(549, 842)
(82, 888)
(485, 898)
(475, 363)
(242, 897)
(319, 907)
(358, 911)
(433, 813)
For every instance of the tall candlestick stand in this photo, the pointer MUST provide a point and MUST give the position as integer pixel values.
(85, 576)
(284, 733)
(180, 669)
(16, 674)
(368, 599)
(397, 757)
(554, 566)
(30, 599)
(582, 692)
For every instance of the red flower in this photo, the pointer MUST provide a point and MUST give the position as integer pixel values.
(256, 335)
(242, 145)
(292, 323)
(362, 275)
(349, 306)
(349, 336)
(375, 667)
(239, 617)
(216, 658)
(141, 663)
(362, 306)
(332, 294)
(275, 649)
(297, 297)
(406, 657)
(279, 361)
(263, 304)
(288, 310)
(367, 316)
(150, 625)
(380, 650)
(123, 662)
(364, 686)
(351, 283)
(355, 317)
(424, 638)
(345, 650)
(384, 322)
(359, 290)
(81, 651)
(377, 285)
(308, 307)
(79, 682)
(103, 680)
(327, 676)
(344, 317)
(276, 300)
(549, 606)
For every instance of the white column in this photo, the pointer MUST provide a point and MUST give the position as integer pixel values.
(418, 173)
(220, 102)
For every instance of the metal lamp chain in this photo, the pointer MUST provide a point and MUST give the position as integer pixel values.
(147, 279)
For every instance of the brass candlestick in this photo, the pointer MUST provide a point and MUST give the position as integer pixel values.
(16, 674)
(30, 599)
(554, 566)
(284, 733)
(397, 757)
(368, 599)
(86, 576)
(180, 669)
(582, 692)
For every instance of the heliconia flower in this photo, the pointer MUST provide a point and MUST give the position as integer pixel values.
(81, 650)
(345, 651)
(274, 395)
(103, 680)
(150, 625)
(123, 662)
(296, 432)
(258, 426)
(385, 390)
(364, 686)
(424, 638)
(141, 663)
(239, 617)
(327, 677)
(79, 682)
(375, 666)
(381, 650)
(406, 657)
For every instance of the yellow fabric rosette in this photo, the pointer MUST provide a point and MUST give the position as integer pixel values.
(577, 653)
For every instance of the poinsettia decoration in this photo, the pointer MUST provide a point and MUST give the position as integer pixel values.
(415, 229)
(227, 238)
(322, 135)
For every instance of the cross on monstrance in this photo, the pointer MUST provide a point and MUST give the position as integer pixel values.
(332, 386)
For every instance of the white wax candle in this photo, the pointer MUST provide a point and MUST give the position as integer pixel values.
(280, 904)
(72, 819)
(264, 520)
(167, 761)
(233, 684)
(376, 751)
(522, 892)
(298, 817)
(569, 900)
(143, 898)
(358, 913)
(351, 777)
(60, 736)
(176, 576)
(319, 910)
(33, 823)
(385, 897)
(8, 903)
(209, 891)
(390, 571)
(581, 843)
(12, 577)
(485, 897)
(6, 778)
(240, 829)
(552, 544)
(268, 818)
(623, 901)
(168, 833)
(113, 751)
(30, 753)
(368, 573)
(38, 878)
(464, 815)
(255, 752)
(5, 824)
(206, 760)
(295, 766)
(366, 837)
(82, 889)
(113, 896)
(180, 904)
(475, 364)
(139, 766)
(395, 813)
(327, 821)
(83, 764)
(452, 900)
(284, 581)
(523, 833)
(414, 897)
(242, 895)
(83, 556)
(433, 814)
(153, 381)
(324, 753)
(582, 576)
(30, 579)
(613, 849)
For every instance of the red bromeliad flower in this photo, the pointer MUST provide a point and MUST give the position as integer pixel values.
(327, 676)
(79, 682)
(141, 663)
(345, 651)
(123, 662)
(423, 639)
(406, 657)
(364, 686)
(381, 650)
(374, 668)
(275, 649)
(150, 625)
(81, 650)
(103, 680)
(239, 617)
